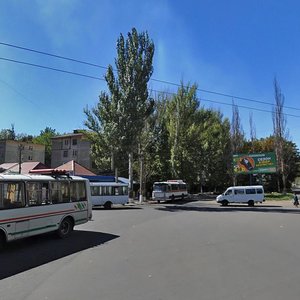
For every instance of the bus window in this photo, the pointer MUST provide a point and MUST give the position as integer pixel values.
(34, 193)
(60, 192)
(81, 191)
(55, 192)
(174, 187)
(12, 195)
(95, 191)
(65, 191)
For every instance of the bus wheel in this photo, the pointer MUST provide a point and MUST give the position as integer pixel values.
(107, 205)
(224, 203)
(251, 203)
(65, 228)
(182, 197)
(2, 240)
(172, 198)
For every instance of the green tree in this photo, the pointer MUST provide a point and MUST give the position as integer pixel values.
(120, 114)
(8, 134)
(45, 139)
(181, 124)
(155, 144)
(280, 132)
(216, 153)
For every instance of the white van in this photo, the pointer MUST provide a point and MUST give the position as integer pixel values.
(242, 194)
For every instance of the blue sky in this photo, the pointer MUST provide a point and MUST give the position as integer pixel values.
(229, 47)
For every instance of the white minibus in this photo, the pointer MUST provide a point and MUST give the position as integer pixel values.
(35, 204)
(242, 194)
(108, 193)
(169, 190)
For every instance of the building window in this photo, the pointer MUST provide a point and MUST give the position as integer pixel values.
(66, 153)
(74, 153)
(29, 157)
(66, 142)
(30, 148)
(74, 142)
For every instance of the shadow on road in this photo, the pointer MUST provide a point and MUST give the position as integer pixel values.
(32, 252)
(121, 207)
(231, 208)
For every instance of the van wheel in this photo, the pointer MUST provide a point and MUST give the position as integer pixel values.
(250, 203)
(65, 228)
(224, 203)
(107, 205)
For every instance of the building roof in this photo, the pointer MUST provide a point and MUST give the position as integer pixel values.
(26, 167)
(67, 135)
(75, 168)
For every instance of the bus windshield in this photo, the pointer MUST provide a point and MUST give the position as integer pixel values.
(160, 187)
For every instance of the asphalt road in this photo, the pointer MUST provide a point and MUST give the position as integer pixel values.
(194, 250)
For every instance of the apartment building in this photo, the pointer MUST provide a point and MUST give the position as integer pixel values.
(74, 146)
(15, 151)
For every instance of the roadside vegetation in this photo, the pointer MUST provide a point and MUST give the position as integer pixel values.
(279, 197)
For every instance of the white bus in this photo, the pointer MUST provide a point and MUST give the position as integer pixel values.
(35, 204)
(108, 193)
(169, 190)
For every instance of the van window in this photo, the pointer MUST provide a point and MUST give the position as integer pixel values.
(250, 191)
(259, 191)
(229, 192)
(239, 192)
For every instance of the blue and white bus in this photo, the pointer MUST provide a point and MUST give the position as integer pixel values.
(107, 194)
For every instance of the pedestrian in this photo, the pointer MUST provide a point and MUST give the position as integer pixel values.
(296, 201)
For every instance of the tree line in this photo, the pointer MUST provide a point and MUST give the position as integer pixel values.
(171, 136)
(151, 138)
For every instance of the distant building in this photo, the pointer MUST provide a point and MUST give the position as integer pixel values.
(12, 151)
(74, 146)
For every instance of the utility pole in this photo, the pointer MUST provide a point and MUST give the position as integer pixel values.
(20, 149)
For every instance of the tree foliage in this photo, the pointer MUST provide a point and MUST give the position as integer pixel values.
(45, 139)
(8, 134)
(119, 117)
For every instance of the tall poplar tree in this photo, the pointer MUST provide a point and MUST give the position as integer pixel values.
(280, 132)
(120, 114)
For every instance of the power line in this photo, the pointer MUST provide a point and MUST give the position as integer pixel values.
(98, 78)
(50, 68)
(152, 79)
(54, 55)
(229, 104)
(225, 95)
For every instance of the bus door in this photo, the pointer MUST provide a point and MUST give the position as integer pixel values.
(16, 222)
(38, 198)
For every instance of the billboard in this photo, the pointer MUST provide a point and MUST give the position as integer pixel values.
(254, 163)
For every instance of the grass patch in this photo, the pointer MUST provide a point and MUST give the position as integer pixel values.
(279, 196)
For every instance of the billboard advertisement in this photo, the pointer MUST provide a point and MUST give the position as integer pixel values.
(254, 163)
